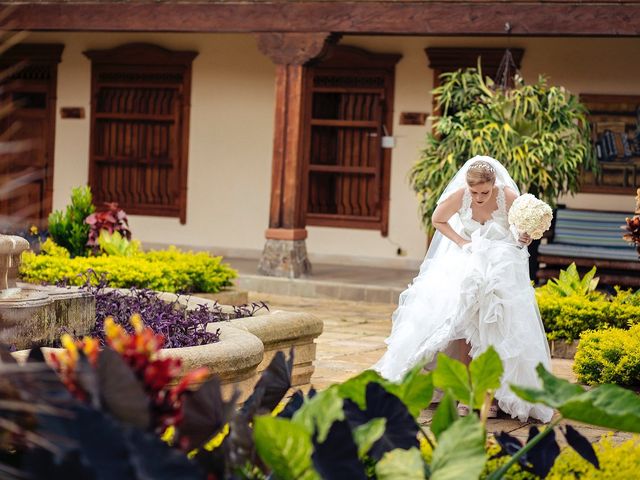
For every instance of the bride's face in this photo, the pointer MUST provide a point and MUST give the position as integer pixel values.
(481, 192)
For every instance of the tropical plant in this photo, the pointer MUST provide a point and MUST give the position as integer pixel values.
(538, 132)
(112, 220)
(607, 405)
(364, 428)
(569, 283)
(105, 411)
(69, 229)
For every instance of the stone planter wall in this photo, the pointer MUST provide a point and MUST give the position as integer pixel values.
(282, 330)
(278, 330)
(235, 359)
(37, 314)
(247, 346)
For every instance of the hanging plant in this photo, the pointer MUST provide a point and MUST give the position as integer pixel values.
(538, 132)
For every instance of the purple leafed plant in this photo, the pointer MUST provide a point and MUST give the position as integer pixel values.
(179, 326)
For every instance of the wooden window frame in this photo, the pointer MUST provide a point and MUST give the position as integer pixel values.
(162, 67)
(347, 60)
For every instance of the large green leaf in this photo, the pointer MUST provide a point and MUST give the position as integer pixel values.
(445, 415)
(460, 453)
(367, 434)
(284, 447)
(401, 464)
(452, 375)
(555, 392)
(415, 390)
(485, 370)
(355, 388)
(607, 406)
(319, 413)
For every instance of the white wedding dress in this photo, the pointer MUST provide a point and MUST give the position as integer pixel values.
(482, 294)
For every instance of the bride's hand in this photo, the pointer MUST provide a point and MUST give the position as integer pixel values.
(525, 239)
(465, 246)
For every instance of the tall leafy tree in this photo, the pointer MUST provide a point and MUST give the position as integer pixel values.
(538, 132)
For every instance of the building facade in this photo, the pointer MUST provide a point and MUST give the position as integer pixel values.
(212, 138)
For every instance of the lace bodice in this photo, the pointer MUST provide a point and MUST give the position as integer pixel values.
(498, 216)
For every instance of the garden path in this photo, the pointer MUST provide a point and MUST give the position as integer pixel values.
(353, 340)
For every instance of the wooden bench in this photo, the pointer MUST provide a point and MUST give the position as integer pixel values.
(588, 238)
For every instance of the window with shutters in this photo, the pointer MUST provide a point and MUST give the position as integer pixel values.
(140, 128)
(349, 110)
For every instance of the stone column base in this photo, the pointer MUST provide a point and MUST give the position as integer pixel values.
(284, 258)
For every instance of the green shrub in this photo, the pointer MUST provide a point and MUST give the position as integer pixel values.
(166, 270)
(115, 244)
(69, 229)
(617, 461)
(567, 317)
(609, 356)
(494, 463)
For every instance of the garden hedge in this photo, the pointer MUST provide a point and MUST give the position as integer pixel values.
(170, 270)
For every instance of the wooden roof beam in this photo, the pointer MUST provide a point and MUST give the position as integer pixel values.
(477, 18)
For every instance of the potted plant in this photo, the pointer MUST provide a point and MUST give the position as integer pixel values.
(538, 132)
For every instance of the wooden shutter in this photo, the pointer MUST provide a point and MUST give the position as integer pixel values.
(139, 129)
(347, 171)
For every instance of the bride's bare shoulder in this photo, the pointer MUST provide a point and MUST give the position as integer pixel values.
(510, 195)
(455, 197)
(445, 210)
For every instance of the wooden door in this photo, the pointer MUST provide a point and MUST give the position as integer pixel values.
(140, 128)
(345, 167)
(26, 172)
(350, 109)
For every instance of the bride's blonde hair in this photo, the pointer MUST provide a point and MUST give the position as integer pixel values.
(480, 172)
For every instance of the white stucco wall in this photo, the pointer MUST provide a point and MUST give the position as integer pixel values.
(232, 126)
(230, 142)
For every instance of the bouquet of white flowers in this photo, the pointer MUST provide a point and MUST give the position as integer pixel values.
(530, 215)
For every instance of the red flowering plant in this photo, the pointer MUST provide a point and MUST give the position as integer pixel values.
(156, 379)
(106, 404)
(633, 226)
(113, 219)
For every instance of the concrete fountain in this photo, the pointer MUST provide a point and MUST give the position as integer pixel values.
(33, 314)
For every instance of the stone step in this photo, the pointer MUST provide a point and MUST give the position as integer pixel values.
(318, 289)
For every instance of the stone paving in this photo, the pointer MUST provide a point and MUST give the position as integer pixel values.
(353, 340)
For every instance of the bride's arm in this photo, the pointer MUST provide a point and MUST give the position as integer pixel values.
(444, 212)
(509, 197)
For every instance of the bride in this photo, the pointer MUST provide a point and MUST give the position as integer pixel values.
(474, 286)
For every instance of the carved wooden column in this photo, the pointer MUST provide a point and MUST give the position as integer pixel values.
(285, 251)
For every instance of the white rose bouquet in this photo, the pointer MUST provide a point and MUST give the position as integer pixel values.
(530, 215)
